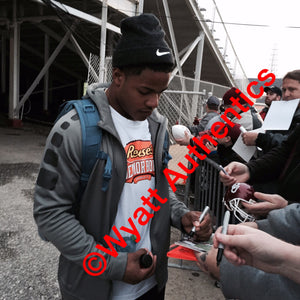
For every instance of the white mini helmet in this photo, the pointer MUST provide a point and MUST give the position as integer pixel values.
(234, 198)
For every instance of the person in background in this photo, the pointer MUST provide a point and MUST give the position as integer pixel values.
(273, 93)
(225, 144)
(266, 141)
(134, 135)
(250, 119)
(212, 110)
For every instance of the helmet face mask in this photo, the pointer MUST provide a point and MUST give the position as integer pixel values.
(234, 198)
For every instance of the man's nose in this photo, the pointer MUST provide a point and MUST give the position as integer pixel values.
(153, 100)
(285, 94)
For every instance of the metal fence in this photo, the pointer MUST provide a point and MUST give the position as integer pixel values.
(182, 106)
(202, 188)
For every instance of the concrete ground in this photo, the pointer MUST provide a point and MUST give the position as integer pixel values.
(28, 266)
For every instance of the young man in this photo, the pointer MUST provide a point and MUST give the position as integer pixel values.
(273, 93)
(133, 135)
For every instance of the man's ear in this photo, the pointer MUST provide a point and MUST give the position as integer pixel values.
(118, 76)
(227, 139)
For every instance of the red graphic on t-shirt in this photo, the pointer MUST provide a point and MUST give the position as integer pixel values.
(140, 163)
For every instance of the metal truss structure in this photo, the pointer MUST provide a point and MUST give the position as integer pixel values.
(46, 44)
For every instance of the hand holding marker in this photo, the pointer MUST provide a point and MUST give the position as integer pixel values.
(202, 216)
(224, 231)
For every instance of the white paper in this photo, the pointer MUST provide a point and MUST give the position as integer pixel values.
(244, 151)
(280, 115)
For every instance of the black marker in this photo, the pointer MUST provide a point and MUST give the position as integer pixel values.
(203, 214)
(224, 231)
(145, 260)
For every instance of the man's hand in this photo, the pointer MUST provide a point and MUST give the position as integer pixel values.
(207, 262)
(249, 138)
(248, 246)
(203, 230)
(237, 172)
(134, 273)
(270, 202)
(210, 147)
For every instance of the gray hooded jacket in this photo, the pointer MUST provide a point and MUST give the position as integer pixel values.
(57, 188)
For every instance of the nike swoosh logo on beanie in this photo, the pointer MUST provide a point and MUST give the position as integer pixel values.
(161, 53)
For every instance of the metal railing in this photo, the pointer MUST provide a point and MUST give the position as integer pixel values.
(204, 187)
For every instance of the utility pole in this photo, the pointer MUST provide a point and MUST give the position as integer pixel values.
(273, 65)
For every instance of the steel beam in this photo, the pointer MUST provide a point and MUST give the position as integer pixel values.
(82, 15)
(3, 62)
(14, 66)
(46, 77)
(187, 52)
(175, 48)
(103, 42)
(203, 26)
(126, 7)
(140, 7)
(198, 72)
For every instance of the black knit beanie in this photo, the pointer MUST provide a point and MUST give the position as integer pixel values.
(142, 42)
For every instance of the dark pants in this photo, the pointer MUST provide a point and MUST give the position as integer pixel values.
(154, 293)
(150, 295)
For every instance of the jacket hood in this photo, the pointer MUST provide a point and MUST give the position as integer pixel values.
(90, 91)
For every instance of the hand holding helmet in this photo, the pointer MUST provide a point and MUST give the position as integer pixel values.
(235, 199)
(267, 203)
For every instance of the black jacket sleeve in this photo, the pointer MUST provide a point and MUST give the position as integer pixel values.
(267, 141)
(271, 165)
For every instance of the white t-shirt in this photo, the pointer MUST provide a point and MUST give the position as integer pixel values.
(136, 140)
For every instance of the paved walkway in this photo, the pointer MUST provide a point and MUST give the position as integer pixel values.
(28, 266)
